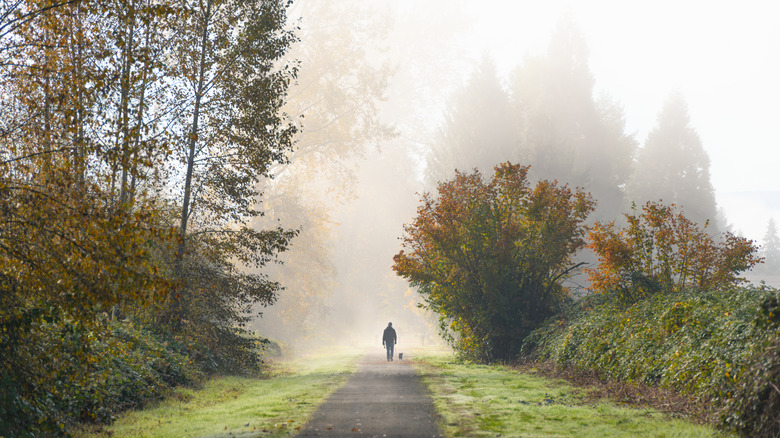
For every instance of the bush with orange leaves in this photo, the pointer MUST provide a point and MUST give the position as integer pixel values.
(660, 250)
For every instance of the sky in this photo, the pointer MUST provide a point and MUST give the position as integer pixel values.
(723, 56)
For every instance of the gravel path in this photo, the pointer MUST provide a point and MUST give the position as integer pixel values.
(382, 399)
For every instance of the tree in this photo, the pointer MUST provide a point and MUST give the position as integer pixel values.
(72, 248)
(95, 95)
(770, 250)
(106, 105)
(674, 167)
(341, 84)
(563, 132)
(307, 273)
(489, 256)
(75, 243)
(232, 131)
(662, 251)
(478, 131)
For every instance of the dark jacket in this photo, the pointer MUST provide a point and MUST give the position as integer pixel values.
(389, 336)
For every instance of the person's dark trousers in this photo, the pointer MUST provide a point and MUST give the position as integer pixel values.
(389, 347)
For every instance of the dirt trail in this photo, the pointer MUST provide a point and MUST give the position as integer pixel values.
(382, 399)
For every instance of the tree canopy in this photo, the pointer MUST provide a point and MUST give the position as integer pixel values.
(489, 256)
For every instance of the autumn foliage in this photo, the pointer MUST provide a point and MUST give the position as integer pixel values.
(669, 313)
(489, 256)
(660, 250)
(133, 136)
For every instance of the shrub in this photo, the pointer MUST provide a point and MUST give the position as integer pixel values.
(65, 373)
(660, 250)
(754, 410)
(712, 345)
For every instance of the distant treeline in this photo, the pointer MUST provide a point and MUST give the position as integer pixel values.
(547, 115)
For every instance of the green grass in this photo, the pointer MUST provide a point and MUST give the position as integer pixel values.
(480, 400)
(240, 407)
(473, 400)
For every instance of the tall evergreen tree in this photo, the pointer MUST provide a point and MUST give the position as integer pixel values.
(564, 132)
(770, 250)
(478, 130)
(674, 167)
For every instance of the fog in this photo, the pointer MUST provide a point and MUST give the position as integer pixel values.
(395, 95)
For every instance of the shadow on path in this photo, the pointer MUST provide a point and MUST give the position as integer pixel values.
(382, 399)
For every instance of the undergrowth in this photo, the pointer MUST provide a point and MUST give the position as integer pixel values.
(719, 346)
(75, 374)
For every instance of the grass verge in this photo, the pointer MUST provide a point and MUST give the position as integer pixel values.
(480, 400)
(238, 406)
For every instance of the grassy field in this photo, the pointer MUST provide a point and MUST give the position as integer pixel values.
(479, 400)
(240, 407)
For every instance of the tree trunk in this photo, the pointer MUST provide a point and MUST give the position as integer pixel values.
(173, 317)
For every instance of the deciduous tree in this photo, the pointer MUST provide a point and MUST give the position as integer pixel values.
(95, 94)
(231, 82)
(231, 127)
(72, 247)
(74, 241)
(489, 256)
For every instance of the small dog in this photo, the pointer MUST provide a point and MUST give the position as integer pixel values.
(400, 356)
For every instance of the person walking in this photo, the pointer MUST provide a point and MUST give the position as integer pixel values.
(389, 339)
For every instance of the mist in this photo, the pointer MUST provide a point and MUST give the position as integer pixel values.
(393, 96)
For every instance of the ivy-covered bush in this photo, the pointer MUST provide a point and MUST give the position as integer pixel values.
(60, 372)
(720, 346)
(754, 410)
(65, 373)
